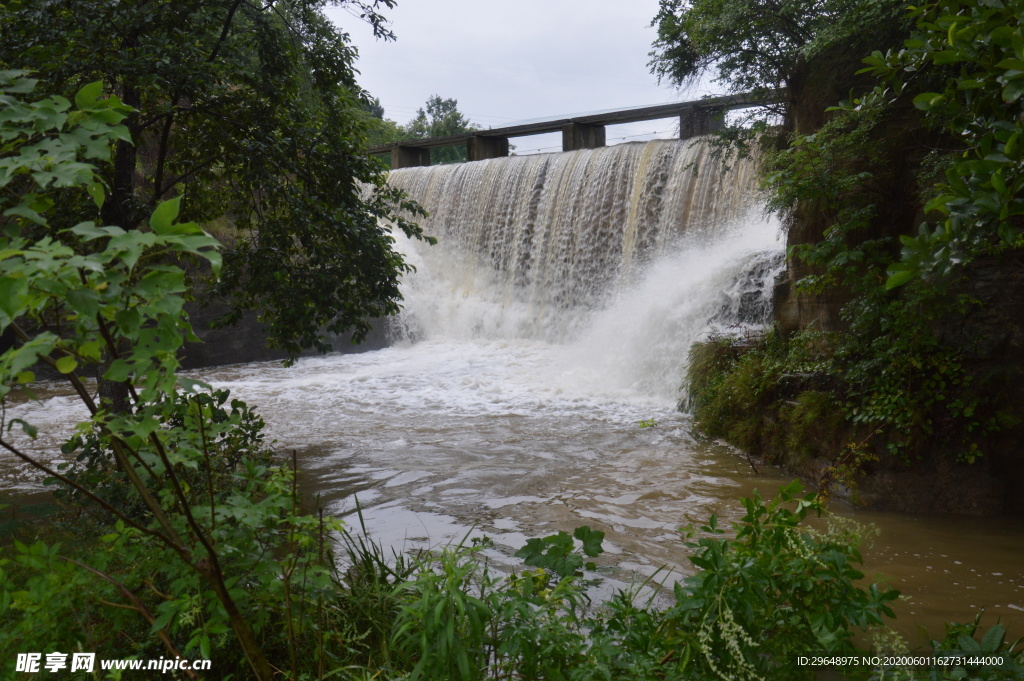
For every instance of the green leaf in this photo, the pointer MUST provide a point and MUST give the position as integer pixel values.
(204, 646)
(591, 540)
(87, 96)
(84, 301)
(97, 193)
(899, 279)
(168, 611)
(163, 217)
(118, 372)
(29, 213)
(90, 350)
(993, 639)
(1011, 64)
(956, 182)
(998, 183)
(11, 291)
(20, 86)
(26, 427)
(1012, 146)
(927, 100)
(130, 246)
(158, 283)
(1013, 91)
(67, 364)
(89, 231)
(947, 57)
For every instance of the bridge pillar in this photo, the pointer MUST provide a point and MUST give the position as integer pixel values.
(582, 136)
(409, 157)
(696, 122)
(479, 147)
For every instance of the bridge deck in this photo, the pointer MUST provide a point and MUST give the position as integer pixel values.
(578, 132)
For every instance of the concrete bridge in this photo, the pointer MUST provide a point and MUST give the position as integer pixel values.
(698, 117)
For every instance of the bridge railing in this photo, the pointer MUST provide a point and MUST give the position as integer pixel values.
(698, 117)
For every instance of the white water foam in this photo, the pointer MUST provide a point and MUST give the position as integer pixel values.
(619, 258)
(635, 345)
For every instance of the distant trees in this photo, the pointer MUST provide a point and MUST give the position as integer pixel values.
(441, 117)
(380, 130)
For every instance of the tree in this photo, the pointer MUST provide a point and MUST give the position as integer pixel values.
(382, 130)
(763, 45)
(251, 115)
(374, 108)
(69, 295)
(441, 118)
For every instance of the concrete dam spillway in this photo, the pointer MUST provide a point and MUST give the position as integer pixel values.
(633, 251)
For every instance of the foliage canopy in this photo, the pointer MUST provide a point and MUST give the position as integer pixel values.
(893, 196)
(251, 115)
(440, 118)
(757, 45)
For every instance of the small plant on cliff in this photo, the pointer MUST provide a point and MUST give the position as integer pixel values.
(733, 383)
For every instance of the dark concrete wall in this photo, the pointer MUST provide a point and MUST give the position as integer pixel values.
(246, 341)
(582, 136)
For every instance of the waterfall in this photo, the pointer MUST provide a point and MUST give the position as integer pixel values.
(623, 255)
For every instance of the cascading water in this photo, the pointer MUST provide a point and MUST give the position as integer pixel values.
(622, 255)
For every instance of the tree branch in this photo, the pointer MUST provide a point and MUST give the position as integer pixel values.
(138, 606)
(74, 485)
(224, 30)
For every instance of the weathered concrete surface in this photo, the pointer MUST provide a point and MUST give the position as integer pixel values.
(939, 485)
(246, 341)
(794, 311)
(480, 148)
(409, 157)
(582, 136)
(697, 122)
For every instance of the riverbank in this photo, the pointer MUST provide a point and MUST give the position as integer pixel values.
(790, 400)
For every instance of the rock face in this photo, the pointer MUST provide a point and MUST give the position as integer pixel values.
(246, 340)
(940, 485)
(795, 311)
(991, 334)
(937, 485)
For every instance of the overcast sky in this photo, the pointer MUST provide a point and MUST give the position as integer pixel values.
(513, 60)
